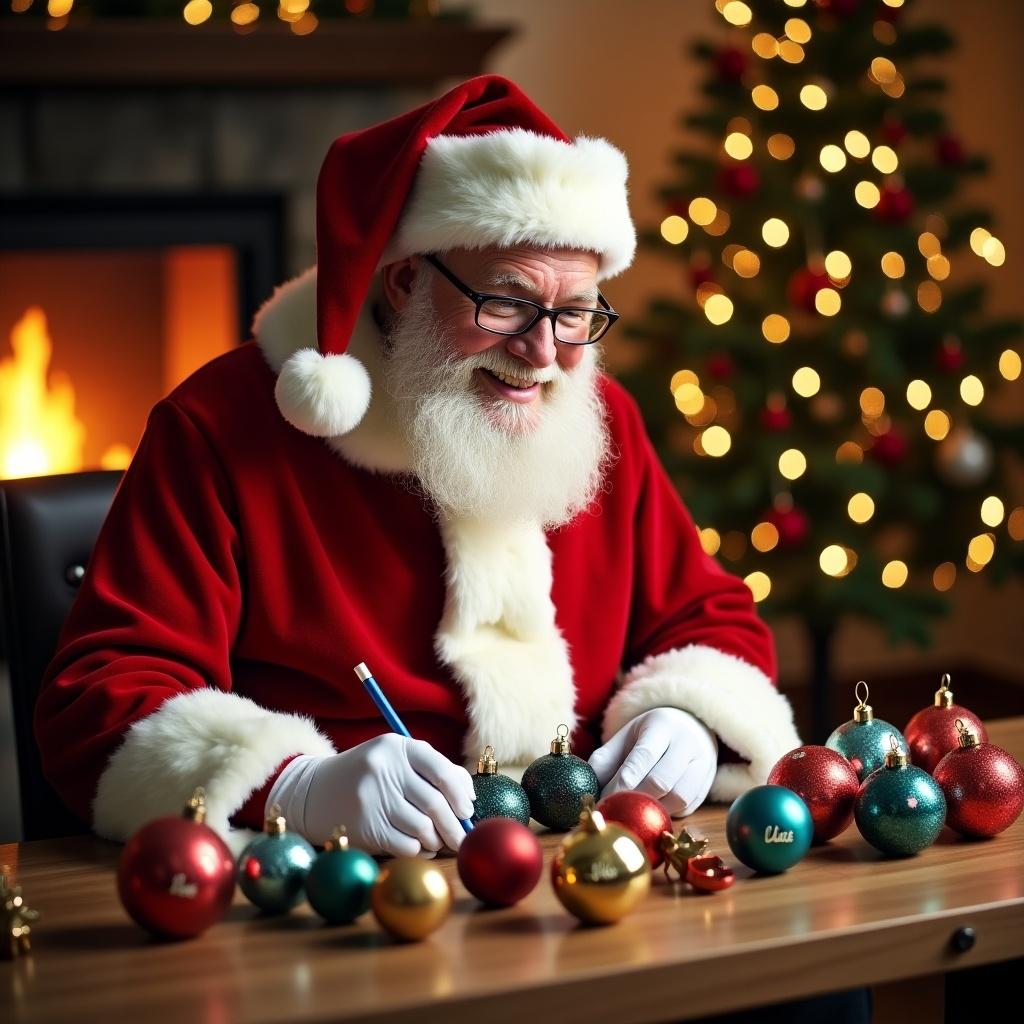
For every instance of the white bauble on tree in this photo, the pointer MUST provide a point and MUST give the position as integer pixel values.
(964, 458)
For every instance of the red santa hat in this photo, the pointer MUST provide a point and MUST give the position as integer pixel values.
(480, 166)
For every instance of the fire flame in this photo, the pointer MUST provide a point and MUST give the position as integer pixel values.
(39, 432)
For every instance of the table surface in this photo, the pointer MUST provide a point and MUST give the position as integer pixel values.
(844, 916)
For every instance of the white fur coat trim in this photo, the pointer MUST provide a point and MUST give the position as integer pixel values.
(513, 186)
(220, 741)
(730, 696)
(498, 635)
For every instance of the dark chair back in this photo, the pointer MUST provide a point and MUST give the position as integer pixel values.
(48, 526)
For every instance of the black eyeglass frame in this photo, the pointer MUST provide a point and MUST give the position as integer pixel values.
(479, 298)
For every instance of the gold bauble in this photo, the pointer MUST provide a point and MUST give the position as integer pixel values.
(601, 871)
(411, 898)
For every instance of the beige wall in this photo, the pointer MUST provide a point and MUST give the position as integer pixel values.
(621, 69)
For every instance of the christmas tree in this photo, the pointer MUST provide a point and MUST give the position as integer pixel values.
(818, 386)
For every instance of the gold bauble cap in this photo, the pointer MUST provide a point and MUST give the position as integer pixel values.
(195, 809)
(487, 765)
(338, 839)
(944, 695)
(275, 825)
(863, 712)
(560, 744)
(894, 757)
(965, 737)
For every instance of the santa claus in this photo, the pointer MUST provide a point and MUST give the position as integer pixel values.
(418, 464)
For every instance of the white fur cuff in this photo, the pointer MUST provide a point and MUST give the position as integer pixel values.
(220, 741)
(732, 697)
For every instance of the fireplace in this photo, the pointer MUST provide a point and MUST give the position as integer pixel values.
(107, 303)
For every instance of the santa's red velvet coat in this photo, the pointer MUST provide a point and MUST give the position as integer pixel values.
(246, 567)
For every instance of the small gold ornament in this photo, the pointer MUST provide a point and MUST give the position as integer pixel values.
(601, 872)
(18, 920)
(411, 898)
(679, 849)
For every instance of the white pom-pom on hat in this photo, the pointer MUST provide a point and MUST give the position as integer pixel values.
(322, 395)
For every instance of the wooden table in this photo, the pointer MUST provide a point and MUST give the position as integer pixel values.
(841, 917)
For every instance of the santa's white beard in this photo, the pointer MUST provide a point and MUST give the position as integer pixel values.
(482, 457)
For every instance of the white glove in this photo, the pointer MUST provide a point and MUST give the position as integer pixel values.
(665, 753)
(393, 795)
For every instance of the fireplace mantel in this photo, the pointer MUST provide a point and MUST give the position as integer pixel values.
(146, 52)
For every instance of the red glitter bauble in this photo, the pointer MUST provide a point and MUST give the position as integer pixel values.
(176, 877)
(949, 150)
(730, 64)
(984, 789)
(739, 180)
(776, 420)
(889, 449)
(792, 524)
(803, 286)
(500, 861)
(894, 206)
(932, 733)
(825, 781)
(643, 816)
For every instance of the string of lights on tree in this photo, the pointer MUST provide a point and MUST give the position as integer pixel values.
(302, 16)
(828, 426)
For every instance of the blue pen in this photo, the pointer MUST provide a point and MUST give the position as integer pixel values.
(390, 715)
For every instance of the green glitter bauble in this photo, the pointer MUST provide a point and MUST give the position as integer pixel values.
(498, 796)
(557, 783)
(865, 744)
(900, 810)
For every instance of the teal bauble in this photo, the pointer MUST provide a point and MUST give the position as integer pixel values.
(900, 809)
(557, 784)
(769, 828)
(864, 740)
(272, 869)
(340, 881)
(498, 796)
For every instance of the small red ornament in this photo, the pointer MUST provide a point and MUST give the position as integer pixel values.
(739, 180)
(803, 286)
(949, 356)
(983, 786)
(949, 150)
(720, 365)
(730, 64)
(825, 781)
(500, 861)
(176, 876)
(709, 873)
(701, 273)
(643, 816)
(680, 207)
(776, 420)
(792, 524)
(890, 449)
(932, 733)
(895, 205)
(894, 131)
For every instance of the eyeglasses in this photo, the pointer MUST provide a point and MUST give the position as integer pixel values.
(505, 314)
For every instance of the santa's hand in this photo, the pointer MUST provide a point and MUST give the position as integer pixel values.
(665, 753)
(394, 796)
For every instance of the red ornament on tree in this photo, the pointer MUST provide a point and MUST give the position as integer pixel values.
(730, 64)
(701, 273)
(895, 205)
(890, 449)
(739, 180)
(803, 286)
(894, 131)
(983, 786)
(176, 876)
(949, 356)
(792, 524)
(949, 150)
(932, 733)
(776, 418)
(720, 366)
(500, 861)
(825, 781)
(643, 816)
